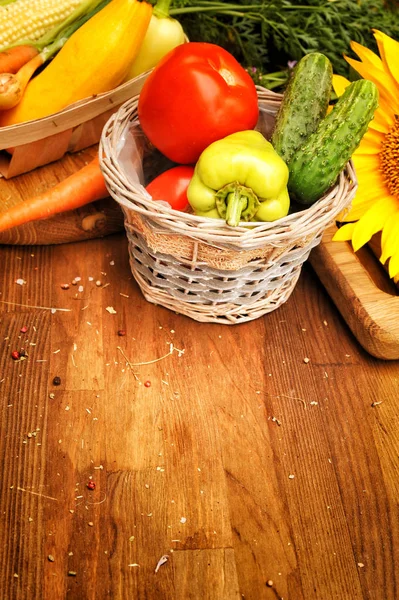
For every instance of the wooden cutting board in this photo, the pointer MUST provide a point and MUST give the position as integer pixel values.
(95, 220)
(363, 293)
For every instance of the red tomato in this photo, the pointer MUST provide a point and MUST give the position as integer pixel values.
(197, 94)
(171, 186)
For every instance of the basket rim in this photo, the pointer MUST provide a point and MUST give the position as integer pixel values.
(72, 115)
(132, 196)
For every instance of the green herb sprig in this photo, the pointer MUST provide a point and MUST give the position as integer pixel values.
(266, 34)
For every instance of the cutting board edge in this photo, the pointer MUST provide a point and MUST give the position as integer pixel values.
(366, 309)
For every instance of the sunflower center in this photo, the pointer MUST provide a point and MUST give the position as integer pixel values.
(389, 157)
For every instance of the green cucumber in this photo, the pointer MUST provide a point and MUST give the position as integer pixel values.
(316, 166)
(304, 104)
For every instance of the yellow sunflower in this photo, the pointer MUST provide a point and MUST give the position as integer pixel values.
(375, 207)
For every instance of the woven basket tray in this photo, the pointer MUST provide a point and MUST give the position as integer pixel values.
(78, 126)
(201, 267)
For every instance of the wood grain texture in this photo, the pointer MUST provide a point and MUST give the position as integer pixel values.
(362, 292)
(95, 220)
(235, 457)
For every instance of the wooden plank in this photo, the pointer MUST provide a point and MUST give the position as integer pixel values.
(25, 495)
(372, 313)
(77, 335)
(248, 411)
(213, 570)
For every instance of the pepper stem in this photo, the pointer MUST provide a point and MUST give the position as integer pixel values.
(236, 203)
(161, 9)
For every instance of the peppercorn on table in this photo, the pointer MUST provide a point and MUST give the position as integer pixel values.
(146, 455)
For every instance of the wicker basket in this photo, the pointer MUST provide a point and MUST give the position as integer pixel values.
(202, 267)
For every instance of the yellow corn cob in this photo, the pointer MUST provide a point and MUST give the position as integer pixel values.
(30, 19)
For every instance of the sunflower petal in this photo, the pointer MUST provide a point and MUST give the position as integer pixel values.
(371, 136)
(344, 233)
(367, 56)
(339, 84)
(390, 238)
(389, 52)
(366, 196)
(373, 220)
(377, 125)
(356, 212)
(387, 86)
(368, 163)
(393, 265)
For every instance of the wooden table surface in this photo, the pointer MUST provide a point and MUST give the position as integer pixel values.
(260, 474)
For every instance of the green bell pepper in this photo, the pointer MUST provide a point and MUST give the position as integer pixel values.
(240, 178)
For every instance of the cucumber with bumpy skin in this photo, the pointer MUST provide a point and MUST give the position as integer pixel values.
(316, 166)
(304, 104)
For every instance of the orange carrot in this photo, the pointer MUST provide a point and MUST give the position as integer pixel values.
(13, 59)
(83, 187)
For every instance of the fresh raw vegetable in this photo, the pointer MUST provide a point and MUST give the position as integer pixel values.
(171, 186)
(81, 188)
(163, 34)
(315, 167)
(16, 57)
(30, 19)
(240, 178)
(304, 104)
(12, 86)
(196, 95)
(95, 59)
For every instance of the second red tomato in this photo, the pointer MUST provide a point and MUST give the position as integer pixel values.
(171, 186)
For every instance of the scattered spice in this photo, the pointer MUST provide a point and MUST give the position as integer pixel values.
(161, 562)
(375, 403)
(51, 396)
(91, 485)
(121, 332)
(133, 565)
(291, 476)
(24, 329)
(98, 283)
(90, 524)
(269, 583)
(183, 520)
(15, 355)
(57, 380)
(111, 310)
(147, 383)
(72, 573)
(306, 360)
(360, 565)
(50, 558)
(65, 286)
(275, 420)
(20, 281)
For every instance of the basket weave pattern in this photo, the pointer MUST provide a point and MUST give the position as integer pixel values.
(202, 267)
